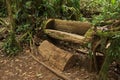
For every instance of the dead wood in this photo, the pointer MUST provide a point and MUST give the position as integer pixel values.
(75, 27)
(57, 73)
(59, 58)
(66, 36)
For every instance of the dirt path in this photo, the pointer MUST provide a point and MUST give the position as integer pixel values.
(24, 67)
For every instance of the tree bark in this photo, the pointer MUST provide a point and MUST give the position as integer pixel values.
(59, 58)
(75, 27)
(66, 36)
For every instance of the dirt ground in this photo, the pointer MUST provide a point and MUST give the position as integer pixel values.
(24, 67)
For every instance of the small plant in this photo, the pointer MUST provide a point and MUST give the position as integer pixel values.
(3, 8)
(112, 53)
(11, 47)
(109, 10)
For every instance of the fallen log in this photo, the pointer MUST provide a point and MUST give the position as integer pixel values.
(57, 73)
(75, 27)
(67, 36)
(59, 58)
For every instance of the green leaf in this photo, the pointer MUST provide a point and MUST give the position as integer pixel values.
(28, 4)
(113, 1)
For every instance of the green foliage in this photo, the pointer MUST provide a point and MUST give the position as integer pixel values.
(30, 14)
(90, 5)
(3, 8)
(114, 49)
(109, 10)
(11, 47)
(71, 10)
(112, 53)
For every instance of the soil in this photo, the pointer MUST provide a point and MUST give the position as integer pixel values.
(24, 67)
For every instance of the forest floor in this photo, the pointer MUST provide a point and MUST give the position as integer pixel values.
(24, 67)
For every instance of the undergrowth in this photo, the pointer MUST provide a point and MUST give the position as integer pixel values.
(28, 16)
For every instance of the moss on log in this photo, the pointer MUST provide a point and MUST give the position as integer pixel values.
(106, 34)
